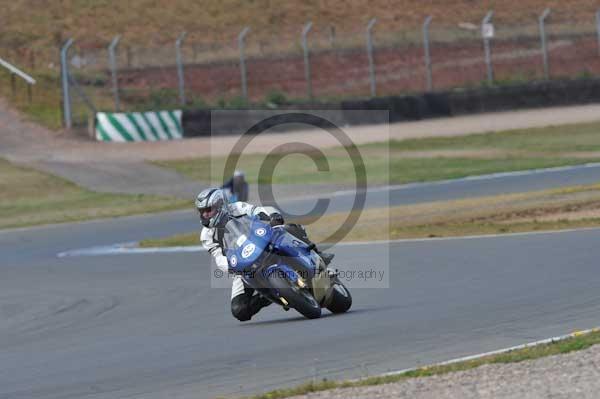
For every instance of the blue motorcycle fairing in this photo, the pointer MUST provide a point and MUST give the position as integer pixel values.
(250, 246)
(283, 270)
(246, 240)
(290, 246)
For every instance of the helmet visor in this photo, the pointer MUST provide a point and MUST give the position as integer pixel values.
(208, 212)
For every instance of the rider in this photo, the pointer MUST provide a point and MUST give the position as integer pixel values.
(215, 211)
(237, 187)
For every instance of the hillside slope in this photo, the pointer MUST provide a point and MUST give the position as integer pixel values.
(37, 23)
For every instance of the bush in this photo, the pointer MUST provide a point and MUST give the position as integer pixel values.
(236, 103)
(275, 98)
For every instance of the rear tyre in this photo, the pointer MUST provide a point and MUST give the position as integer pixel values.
(339, 299)
(297, 298)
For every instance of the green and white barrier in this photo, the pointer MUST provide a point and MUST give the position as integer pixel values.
(138, 126)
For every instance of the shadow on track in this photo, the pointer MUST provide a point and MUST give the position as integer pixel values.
(283, 321)
(350, 313)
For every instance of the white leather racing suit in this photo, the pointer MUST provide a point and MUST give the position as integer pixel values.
(208, 238)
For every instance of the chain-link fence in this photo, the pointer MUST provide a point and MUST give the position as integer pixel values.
(318, 64)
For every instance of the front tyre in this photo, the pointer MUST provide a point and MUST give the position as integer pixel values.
(298, 298)
(339, 299)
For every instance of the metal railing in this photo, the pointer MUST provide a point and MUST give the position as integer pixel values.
(14, 71)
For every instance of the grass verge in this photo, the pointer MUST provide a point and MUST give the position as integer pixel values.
(547, 140)
(29, 197)
(558, 209)
(178, 240)
(574, 343)
(420, 160)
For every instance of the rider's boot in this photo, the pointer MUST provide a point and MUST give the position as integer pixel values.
(261, 302)
(326, 256)
(332, 272)
(257, 302)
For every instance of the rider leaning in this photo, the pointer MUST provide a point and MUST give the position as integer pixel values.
(215, 212)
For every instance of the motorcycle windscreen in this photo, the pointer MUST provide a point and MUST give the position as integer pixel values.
(244, 241)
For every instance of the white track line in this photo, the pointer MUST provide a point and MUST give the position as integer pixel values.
(131, 248)
(496, 352)
(473, 237)
(491, 176)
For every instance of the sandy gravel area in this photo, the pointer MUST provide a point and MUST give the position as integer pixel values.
(573, 375)
(26, 142)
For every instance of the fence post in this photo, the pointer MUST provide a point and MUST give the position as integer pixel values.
(542, 23)
(370, 55)
(13, 85)
(307, 76)
(598, 29)
(241, 45)
(64, 68)
(180, 76)
(485, 23)
(332, 36)
(426, 47)
(113, 69)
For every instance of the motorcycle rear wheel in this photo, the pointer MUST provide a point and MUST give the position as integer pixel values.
(339, 299)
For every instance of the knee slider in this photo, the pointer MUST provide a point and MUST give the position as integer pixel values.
(240, 309)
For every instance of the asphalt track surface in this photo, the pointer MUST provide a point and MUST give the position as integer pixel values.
(150, 326)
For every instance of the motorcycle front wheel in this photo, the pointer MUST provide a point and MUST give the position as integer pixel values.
(298, 298)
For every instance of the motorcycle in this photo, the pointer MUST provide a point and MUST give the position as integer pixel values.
(283, 268)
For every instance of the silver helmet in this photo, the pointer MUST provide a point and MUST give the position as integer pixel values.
(212, 206)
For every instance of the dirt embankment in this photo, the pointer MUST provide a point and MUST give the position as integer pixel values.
(154, 22)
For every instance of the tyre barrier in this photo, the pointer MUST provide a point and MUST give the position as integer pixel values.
(409, 108)
(235, 122)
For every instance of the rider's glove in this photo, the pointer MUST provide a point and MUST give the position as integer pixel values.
(276, 219)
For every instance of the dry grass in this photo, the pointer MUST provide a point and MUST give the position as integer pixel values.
(40, 23)
(420, 159)
(178, 240)
(29, 197)
(544, 210)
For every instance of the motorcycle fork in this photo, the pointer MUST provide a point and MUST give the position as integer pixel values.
(320, 282)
